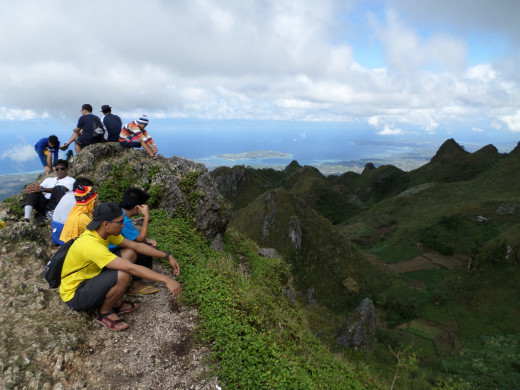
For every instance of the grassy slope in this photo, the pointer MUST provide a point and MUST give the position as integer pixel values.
(471, 308)
(259, 340)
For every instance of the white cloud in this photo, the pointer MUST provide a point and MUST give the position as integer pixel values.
(512, 121)
(273, 59)
(20, 153)
(390, 131)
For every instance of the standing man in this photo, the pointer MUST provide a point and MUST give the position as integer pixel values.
(45, 196)
(112, 123)
(93, 277)
(47, 151)
(88, 131)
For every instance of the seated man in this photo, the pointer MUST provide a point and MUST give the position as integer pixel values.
(47, 150)
(44, 197)
(88, 131)
(62, 210)
(112, 123)
(133, 203)
(134, 135)
(81, 213)
(93, 277)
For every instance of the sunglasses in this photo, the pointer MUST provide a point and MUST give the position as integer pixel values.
(119, 222)
(61, 168)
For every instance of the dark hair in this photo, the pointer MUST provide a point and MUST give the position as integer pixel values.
(87, 107)
(53, 140)
(65, 163)
(133, 197)
(82, 181)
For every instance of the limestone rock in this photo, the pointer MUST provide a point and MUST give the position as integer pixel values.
(360, 331)
(180, 187)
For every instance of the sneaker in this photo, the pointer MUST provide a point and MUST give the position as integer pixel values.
(48, 215)
(24, 219)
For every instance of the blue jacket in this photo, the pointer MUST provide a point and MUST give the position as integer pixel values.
(43, 145)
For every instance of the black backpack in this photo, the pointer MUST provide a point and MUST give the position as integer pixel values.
(55, 265)
(98, 131)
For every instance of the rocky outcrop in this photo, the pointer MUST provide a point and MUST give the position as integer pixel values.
(360, 331)
(180, 187)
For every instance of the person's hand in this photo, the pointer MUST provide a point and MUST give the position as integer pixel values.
(151, 242)
(143, 209)
(33, 187)
(175, 265)
(65, 146)
(174, 287)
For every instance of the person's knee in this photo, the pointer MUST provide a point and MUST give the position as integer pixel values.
(123, 277)
(129, 254)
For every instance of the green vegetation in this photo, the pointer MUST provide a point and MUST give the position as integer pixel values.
(258, 339)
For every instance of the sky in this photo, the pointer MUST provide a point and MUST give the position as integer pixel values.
(398, 68)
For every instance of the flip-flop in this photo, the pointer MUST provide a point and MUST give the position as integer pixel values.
(110, 323)
(133, 306)
(145, 291)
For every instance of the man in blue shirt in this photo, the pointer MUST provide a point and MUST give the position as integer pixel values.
(88, 131)
(133, 203)
(112, 123)
(47, 151)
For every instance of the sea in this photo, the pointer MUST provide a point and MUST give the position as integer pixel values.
(332, 147)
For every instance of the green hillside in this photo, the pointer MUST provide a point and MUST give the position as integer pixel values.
(443, 250)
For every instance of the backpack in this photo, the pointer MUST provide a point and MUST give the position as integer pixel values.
(98, 131)
(55, 265)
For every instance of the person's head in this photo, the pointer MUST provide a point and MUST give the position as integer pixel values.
(62, 168)
(142, 122)
(52, 141)
(107, 219)
(87, 108)
(85, 195)
(106, 109)
(133, 197)
(82, 181)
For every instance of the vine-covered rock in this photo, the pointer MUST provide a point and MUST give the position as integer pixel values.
(181, 187)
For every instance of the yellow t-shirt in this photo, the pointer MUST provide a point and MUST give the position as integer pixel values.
(87, 256)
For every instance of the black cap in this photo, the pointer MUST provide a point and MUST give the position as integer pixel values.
(105, 107)
(106, 211)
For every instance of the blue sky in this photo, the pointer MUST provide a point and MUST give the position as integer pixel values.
(397, 68)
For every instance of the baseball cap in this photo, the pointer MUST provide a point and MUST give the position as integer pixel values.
(106, 211)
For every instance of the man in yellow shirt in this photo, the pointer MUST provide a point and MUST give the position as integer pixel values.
(92, 276)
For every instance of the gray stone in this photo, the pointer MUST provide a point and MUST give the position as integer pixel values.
(269, 253)
(360, 331)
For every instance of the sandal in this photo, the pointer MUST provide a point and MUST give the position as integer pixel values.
(119, 310)
(111, 324)
(156, 156)
(145, 291)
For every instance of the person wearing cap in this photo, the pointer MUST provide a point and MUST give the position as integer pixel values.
(63, 208)
(88, 131)
(112, 123)
(134, 135)
(81, 213)
(47, 150)
(93, 277)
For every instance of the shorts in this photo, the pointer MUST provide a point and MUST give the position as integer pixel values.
(91, 293)
(130, 144)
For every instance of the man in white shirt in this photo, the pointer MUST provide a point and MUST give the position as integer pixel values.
(62, 210)
(45, 196)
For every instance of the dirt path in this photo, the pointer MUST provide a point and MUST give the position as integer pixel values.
(45, 345)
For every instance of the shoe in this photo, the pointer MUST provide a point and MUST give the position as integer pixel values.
(48, 215)
(109, 323)
(24, 219)
(38, 219)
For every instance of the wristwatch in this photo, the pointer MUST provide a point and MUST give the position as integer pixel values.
(167, 256)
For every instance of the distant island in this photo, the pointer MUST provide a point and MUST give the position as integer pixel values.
(253, 155)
